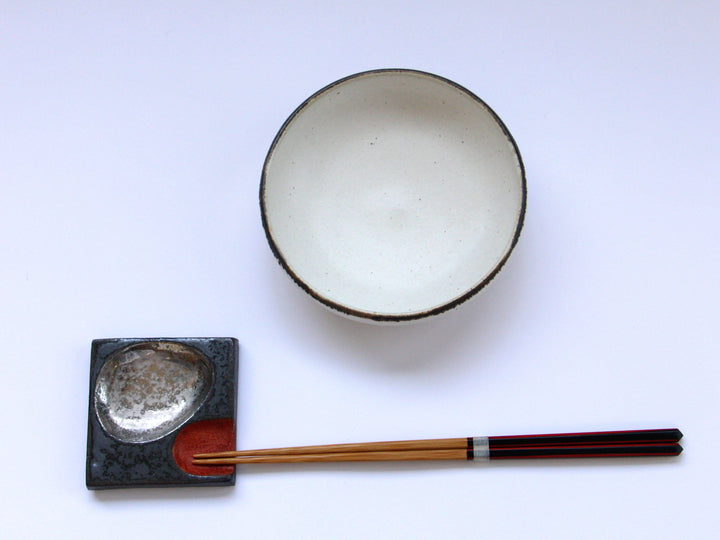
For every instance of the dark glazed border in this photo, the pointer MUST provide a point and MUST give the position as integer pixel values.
(373, 316)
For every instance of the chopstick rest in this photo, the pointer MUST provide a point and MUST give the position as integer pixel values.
(153, 404)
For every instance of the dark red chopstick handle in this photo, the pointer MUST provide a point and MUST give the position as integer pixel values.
(645, 436)
(537, 452)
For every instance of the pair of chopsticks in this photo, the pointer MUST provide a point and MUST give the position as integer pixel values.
(638, 443)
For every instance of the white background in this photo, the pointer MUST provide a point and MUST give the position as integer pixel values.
(131, 141)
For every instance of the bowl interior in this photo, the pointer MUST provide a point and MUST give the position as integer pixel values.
(392, 194)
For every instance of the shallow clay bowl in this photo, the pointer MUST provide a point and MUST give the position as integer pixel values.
(392, 195)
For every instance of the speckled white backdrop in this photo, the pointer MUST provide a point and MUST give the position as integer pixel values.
(131, 140)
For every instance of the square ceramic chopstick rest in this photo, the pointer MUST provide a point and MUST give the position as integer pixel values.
(153, 404)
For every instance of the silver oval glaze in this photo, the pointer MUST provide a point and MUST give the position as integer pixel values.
(147, 390)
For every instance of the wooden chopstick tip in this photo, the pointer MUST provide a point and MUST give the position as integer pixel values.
(210, 462)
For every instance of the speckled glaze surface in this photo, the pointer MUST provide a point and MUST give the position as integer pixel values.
(393, 195)
(142, 456)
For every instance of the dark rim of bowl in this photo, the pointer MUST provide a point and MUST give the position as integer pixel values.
(369, 315)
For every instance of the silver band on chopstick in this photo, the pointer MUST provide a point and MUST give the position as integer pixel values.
(481, 449)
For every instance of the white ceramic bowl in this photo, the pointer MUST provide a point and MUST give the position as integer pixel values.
(392, 195)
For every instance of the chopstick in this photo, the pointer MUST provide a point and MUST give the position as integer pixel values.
(636, 443)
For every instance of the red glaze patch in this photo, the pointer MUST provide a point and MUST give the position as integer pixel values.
(201, 437)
